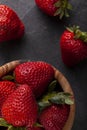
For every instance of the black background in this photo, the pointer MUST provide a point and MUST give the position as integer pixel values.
(42, 42)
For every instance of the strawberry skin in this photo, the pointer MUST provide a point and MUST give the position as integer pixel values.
(54, 117)
(6, 88)
(11, 27)
(54, 7)
(73, 49)
(47, 6)
(37, 74)
(20, 109)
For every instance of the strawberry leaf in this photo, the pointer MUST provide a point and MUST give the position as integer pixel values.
(9, 126)
(8, 77)
(16, 128)
(3, 123)
(69, 6)
(62, 98)
(43, 105)
(37, 125)
(62, 14)
(52, 86)
(57, 4)
(58, 12)
(68, 101)
(78, 33)
(55, 98)
(62, 7)
(66, 13)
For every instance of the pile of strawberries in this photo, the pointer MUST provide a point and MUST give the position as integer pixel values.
(30, 98)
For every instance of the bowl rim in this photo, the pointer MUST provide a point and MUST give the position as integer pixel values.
(64, 83)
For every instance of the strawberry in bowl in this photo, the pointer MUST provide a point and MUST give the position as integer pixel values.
(37, 74)
(28, 109)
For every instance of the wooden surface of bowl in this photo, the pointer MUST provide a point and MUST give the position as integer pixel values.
(66, 88)
(7, 67)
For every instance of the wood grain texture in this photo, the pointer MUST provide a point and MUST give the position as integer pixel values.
(6, 68)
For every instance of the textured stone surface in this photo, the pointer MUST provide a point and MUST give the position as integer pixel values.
(41, 42)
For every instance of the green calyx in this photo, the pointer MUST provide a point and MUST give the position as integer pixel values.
(8, 77)
(55, 98)
(9, 126)
(63, 7)
(78, 33)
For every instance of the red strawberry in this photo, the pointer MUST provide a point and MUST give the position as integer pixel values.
(20, 109)
(54, 7)
(6, 88)
(54, 117)
(36, 74)
(54, 108)
(73, 45)
(11, 27)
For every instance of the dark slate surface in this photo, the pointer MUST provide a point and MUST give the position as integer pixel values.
(41, 42)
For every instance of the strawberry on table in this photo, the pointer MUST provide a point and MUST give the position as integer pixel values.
(73, 45)
(6, 88)
(11, 27)
(54, 7)
(37, 74)
(20, 109)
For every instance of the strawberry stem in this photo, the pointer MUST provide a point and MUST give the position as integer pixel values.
(63, 7)
(78, 33)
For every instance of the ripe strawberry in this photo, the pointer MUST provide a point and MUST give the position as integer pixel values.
(11, 27)
(54, 116)
(73, 45)
(6, 88)
(54, 7)
(20, 109)
(37, 74)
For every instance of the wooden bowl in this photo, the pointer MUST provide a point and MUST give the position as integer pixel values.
(4, 69)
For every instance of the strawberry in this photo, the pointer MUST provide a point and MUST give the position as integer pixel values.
(6, 88)
(54, 109)
(11, 27)
(54, 116)
(54, 7)
(20, 108)
(73, 45)
(37, 74)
